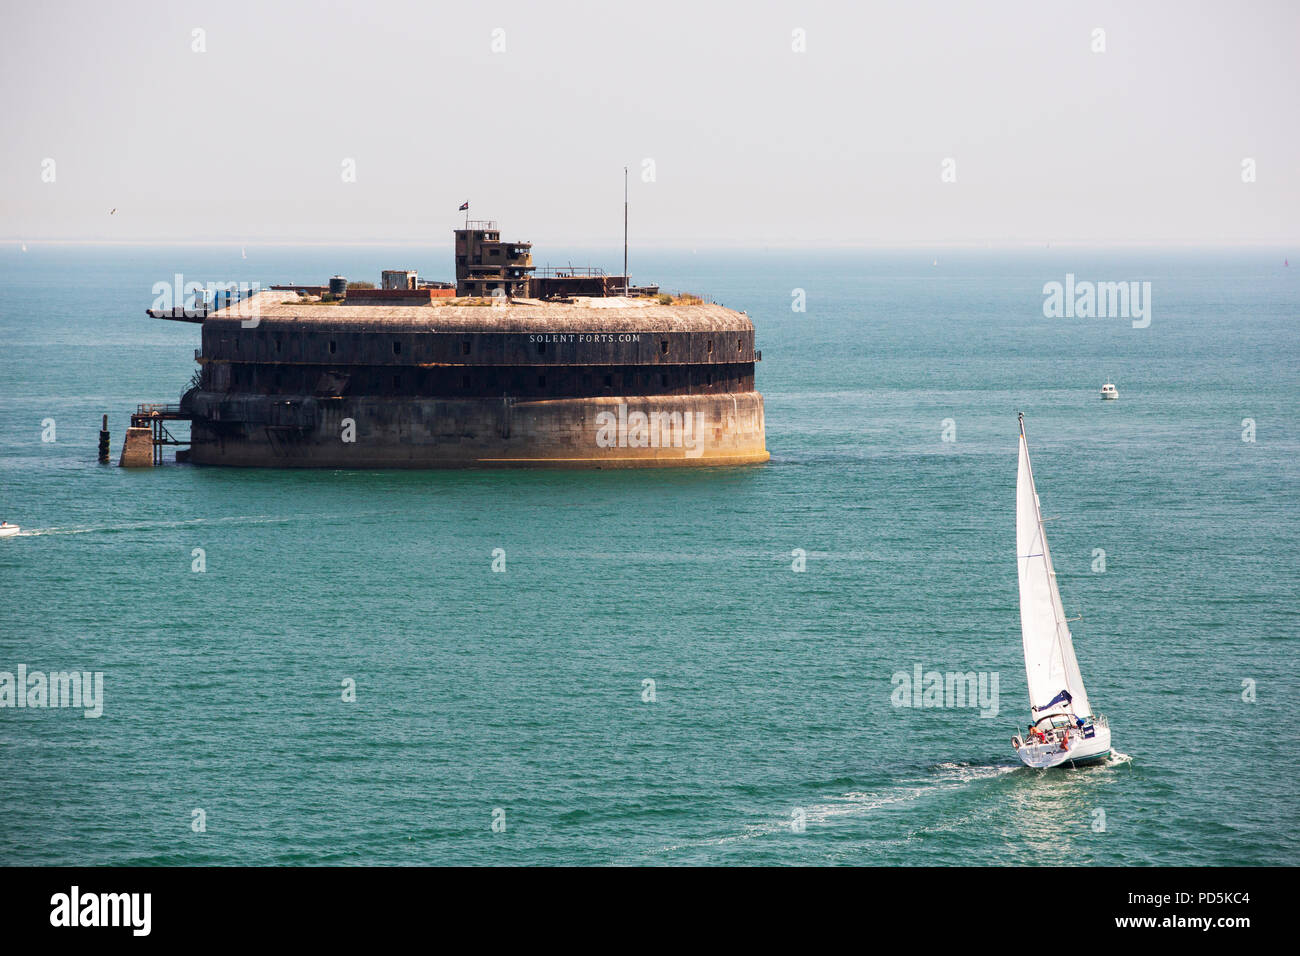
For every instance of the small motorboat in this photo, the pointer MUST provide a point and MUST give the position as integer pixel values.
(1109, 391)
(8, 530)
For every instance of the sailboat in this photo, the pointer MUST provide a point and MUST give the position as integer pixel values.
(1064, 730)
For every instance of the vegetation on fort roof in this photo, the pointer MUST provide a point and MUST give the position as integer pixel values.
(361, 285)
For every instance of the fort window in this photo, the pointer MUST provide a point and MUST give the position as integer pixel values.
(663, 379)
(740, 345)
(710, 346)
(277, 343)
(333, 347)
(663, 346)
(464, 347)
(397, 348)
(609, 380)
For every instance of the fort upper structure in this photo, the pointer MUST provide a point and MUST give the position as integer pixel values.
(485, 264)
(413, 376)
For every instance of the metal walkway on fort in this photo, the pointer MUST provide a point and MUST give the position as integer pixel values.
(155, 418)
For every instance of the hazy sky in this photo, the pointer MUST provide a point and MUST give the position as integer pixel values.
(751, 141)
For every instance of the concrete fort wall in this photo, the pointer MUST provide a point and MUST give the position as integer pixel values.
(393, 344)
(137, 448)
(595, 432)
(456, 385)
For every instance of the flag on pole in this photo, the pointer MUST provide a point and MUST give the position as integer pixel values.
(464, 206)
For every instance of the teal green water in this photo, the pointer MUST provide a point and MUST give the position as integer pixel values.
(523, 690)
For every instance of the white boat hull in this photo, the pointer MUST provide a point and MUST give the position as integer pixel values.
(1078, 751)
(8, 530)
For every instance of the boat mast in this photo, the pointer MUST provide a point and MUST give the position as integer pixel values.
(1058, 610)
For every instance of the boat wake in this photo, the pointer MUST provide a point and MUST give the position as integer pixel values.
(943, 777)
(1117, 759)
(156, 525)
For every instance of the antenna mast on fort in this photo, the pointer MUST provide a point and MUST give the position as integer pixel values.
(626, 280)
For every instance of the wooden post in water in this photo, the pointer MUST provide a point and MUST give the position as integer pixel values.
(103, 442)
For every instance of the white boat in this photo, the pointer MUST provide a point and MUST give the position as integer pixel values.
(1064, 730)
(7, 530)
(1109, 391)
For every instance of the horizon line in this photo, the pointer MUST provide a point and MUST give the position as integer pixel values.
(712, 243)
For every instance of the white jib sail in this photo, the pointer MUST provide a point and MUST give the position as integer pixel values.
(1050, 664)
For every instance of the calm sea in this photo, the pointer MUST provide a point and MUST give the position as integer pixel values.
(519, 697)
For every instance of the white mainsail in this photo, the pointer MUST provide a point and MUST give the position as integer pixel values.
(1050, 664)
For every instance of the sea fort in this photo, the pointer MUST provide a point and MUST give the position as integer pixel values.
(509, 367)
